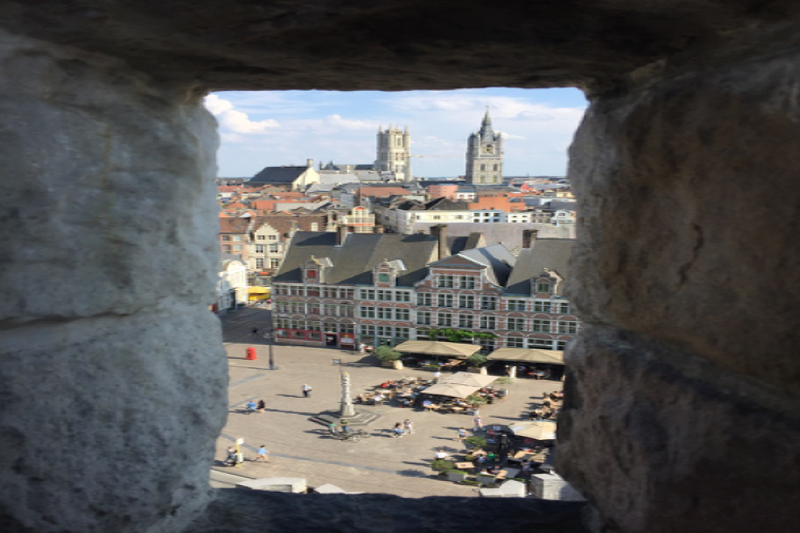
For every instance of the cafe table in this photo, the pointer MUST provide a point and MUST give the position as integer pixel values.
(465, 466)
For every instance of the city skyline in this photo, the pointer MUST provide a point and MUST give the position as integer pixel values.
(260, 129)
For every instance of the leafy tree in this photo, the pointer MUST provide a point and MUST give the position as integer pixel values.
(477, 359)
(442, 465)
(384, 353)
(475, 441)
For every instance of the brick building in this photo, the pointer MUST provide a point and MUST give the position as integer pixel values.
(380, 289)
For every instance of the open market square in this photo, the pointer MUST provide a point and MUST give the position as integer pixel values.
(299, 447)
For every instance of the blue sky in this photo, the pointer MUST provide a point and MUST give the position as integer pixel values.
(260, 129)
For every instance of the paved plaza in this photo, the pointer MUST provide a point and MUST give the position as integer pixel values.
(301, 448)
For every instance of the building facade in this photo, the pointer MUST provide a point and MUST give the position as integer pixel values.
(335, 295)
(485, 155)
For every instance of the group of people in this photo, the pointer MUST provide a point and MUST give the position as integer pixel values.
(236, 457)
(342, 428)
(254, 407)
(406, 427)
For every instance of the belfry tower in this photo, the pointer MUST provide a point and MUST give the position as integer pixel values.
(485, 155)
(394, 152)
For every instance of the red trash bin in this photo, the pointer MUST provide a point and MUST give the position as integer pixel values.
(251, 354)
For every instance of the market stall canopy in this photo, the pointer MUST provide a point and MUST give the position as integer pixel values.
(531, 355)
(450, 389)
(258, 290)
(445, 349)
(538, 430)
(465, 378)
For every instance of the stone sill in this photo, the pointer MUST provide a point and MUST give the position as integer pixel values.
(246, 511)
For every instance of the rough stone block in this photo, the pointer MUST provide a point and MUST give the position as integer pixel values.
(276, 484)
(682, 236)
(513, 489)
(661, 441)
(329, 489)
(553, 487)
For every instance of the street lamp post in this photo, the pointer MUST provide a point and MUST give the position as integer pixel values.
(271, 342)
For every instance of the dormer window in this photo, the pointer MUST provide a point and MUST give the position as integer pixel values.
(543, 287)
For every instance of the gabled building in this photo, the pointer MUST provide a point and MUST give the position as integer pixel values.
(295, 178)
(330, 282)
(234, 236)
(341, 289)
(270, 237)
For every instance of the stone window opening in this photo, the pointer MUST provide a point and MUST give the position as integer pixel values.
(689, 84)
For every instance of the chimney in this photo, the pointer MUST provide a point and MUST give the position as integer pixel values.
(341, 235)
(310, 163)
(440, 231)
(528, 237)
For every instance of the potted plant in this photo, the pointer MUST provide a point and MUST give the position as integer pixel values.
(456, 475)
(475, 442)
(476, 361)
(475, 400)
(442, 466)
(388, 357)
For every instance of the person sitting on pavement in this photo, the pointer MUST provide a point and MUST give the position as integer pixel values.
(397, 430)
(262, 405)
(332, 429)
(251, 405)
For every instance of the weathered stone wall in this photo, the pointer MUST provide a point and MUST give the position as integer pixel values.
(111, 369)
(683, 412)
(683, 388)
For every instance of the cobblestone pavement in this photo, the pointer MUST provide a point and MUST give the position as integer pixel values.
(302, 448)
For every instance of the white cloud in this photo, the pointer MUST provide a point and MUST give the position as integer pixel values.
(236, 121)
(337, 121)
(217, 105)
(239, 122)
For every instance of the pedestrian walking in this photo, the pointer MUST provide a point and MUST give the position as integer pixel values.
(437, 375)
(345, 425)
(239, 459)
(231, 459)
(441, 454)
(478, 423)
(262, 454)
(462, 434)
(408, 426)
(397, 430)
(306, 391)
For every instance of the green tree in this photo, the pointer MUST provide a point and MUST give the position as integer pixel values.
(384, 353)
(477, 359)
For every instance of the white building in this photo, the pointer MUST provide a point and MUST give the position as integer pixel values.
(232, 283)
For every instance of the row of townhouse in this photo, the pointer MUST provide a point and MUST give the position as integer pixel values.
(343, 289)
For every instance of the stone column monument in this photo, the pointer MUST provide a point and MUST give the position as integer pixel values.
(347, 410)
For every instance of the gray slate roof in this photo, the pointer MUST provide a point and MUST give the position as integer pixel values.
(497, 258)
(508, 233)
(361, 252)
(278, 175)
(545, 253)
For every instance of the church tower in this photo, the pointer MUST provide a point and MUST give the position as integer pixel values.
(394, 152)
(485, 155)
